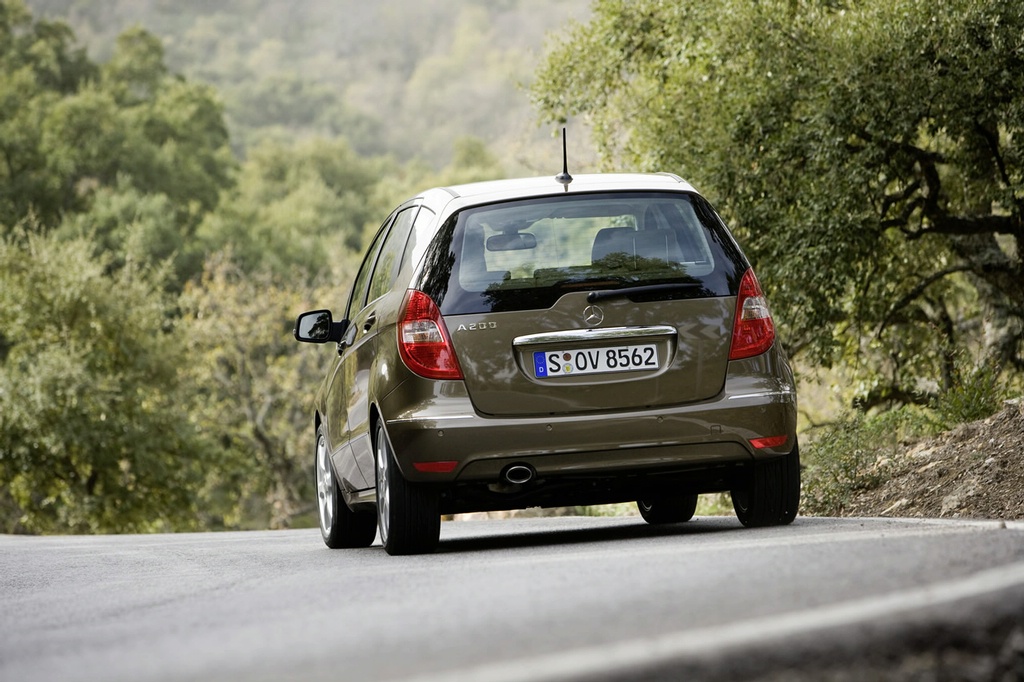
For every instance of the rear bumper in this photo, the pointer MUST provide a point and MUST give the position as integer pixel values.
(758, 400)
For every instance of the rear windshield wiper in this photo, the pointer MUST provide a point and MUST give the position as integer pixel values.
(626, 292)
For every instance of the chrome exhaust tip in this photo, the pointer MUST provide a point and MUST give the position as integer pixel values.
(518, 474)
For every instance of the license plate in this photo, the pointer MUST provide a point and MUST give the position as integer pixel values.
(560, 363)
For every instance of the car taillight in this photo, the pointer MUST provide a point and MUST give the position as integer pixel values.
(753, 331)
(423, 340)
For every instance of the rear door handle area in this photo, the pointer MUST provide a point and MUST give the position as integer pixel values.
(369, 322)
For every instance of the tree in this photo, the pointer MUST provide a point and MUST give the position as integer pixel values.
(129, 226)
(96, 433)
(254, 388)
(291, 203)
(427, 73)
(870, 155)
(38, 66)
(71, 130)
(104, 174)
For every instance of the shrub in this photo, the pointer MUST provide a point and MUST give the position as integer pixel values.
(976, 393)
(855, 453)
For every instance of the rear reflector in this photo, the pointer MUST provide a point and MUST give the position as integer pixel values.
(445, 467)
(753, 331)
(769, 442)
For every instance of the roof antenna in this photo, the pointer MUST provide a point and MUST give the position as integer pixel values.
(564, 178)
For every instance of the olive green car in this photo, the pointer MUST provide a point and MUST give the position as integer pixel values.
(535, 342)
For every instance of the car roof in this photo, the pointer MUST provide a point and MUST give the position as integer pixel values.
(521, 188)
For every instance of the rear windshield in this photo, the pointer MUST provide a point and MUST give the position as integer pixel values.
(525, 255)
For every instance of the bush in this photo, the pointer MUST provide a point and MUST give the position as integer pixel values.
(976, 393)
(855, 453)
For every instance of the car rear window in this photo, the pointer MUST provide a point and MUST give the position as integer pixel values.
(526, 254)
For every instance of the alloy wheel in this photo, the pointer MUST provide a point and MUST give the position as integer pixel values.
(324, 486)
(383, 486)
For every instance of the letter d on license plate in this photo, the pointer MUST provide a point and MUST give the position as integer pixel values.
(548, 364)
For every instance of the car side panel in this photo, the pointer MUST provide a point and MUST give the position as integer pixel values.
(357, 367)
(335, 416)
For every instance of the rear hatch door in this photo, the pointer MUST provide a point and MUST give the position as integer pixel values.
(651, 354)
(588, 303)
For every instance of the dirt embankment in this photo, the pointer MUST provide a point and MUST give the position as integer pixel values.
(974, 471)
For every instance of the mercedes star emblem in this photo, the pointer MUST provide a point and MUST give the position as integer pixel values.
(593, 315)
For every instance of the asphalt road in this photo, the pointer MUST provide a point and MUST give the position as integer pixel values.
(522, 599)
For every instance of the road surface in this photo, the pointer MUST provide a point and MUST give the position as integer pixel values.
(520, 599)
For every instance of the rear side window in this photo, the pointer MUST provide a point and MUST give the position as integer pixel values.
(390, 258)
(526, 254)
(362, 281)
(419, 239)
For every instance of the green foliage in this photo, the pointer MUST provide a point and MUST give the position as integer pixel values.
(96, 434)
(714, 504)
(136, 70)
(37, 67)
(393, 77)
(291, 206)
(128, 226)
(254, 390)
(70, 129)
(869, 157)
(110, 167)
(42, 49)
(195, 413)
(854, 454)
(977, 392)
(711, 504)
(618, 509)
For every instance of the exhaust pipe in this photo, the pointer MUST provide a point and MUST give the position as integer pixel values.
(518, 474)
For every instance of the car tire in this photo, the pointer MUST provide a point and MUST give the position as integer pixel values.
(408, 516)
(667, 509)
(340, 527)
(770, 494)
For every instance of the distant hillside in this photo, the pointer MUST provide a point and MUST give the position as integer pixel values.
(403, 77)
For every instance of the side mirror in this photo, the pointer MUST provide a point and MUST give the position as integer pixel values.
(318, 326)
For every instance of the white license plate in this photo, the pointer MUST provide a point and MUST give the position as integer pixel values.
(560, 363)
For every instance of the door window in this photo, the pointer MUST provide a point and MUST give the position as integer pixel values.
(358, 298)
